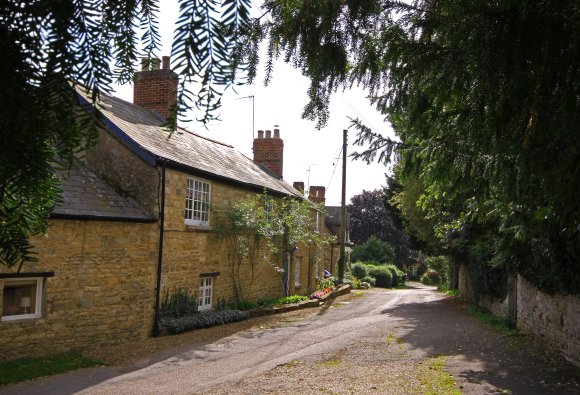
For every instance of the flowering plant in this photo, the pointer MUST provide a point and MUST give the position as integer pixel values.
(320, 293)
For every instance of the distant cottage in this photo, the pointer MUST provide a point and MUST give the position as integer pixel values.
(136, 213)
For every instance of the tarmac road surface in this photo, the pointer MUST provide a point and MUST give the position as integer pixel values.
(428, 323)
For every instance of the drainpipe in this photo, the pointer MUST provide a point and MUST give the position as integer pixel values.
(287, 275)
(160, 257)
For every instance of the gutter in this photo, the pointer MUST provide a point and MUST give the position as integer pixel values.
(160, 257)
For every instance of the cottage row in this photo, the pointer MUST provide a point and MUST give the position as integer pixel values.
(136, 224)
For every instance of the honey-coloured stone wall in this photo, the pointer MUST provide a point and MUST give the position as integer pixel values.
(102, 291)
(190, 251)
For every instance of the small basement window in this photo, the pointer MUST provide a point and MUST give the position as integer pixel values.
(21, 298)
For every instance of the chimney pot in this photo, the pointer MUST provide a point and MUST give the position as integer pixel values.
(155, 89)
(276, 133)
(166, 62)
(269, 152)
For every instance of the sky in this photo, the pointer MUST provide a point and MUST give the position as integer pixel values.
(310, 155)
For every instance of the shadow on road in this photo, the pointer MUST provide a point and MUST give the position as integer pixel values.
(479, 356)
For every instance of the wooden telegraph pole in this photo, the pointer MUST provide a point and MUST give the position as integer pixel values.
(342, 259)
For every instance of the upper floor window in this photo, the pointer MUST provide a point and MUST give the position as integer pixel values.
(268, 208)
(197, 201)
(21, 298)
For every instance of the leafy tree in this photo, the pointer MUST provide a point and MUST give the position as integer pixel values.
(369, 216)
(51, 46)
(373, 250)
(484, 99)
(415, 221)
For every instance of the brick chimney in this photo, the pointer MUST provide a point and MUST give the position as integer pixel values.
(299, 185)
(316, 194)
(269, 151)
(155, 88)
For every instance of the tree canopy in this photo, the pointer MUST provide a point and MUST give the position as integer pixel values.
(484, 97)
(369, 216)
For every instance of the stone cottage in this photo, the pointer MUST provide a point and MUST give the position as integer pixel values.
(136, 223)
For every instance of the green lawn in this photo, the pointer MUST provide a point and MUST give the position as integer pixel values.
(27, 369)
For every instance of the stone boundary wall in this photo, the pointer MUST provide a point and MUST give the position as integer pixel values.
(552, 319)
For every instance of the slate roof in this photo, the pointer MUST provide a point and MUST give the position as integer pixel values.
(85, 195)
(332, 221)
(332, 216)
(185, 148)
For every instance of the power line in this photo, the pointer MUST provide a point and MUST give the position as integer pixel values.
(334, 170)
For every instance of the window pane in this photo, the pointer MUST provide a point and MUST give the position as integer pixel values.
(19, 297)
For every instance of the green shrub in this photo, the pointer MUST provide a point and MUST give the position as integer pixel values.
(243, 305)
(359, 270)
(325, 283)
(179, 304)
(430, 277)
(267, 302)
(202, 320)
(440, 264)
(373, 249)
(371, 280)
(356, 283)
(291, 299)
(382, 275)
(398, 275)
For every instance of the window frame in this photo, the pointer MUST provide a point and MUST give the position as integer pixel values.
(202, 304)
(190, 208)
(38, 303)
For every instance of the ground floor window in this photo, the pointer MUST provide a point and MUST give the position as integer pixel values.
(297, 265)
(205, 291)
(21, 298)
(316, 268)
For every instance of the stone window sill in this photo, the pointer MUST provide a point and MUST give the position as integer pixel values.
(203, 228)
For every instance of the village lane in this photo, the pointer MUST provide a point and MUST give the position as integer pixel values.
(375, 344)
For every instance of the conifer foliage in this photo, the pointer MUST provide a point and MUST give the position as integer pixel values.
(484, 97)
(49, 45)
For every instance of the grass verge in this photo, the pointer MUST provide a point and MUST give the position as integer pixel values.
(28, 369)
(434, 379)
(497, 323)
